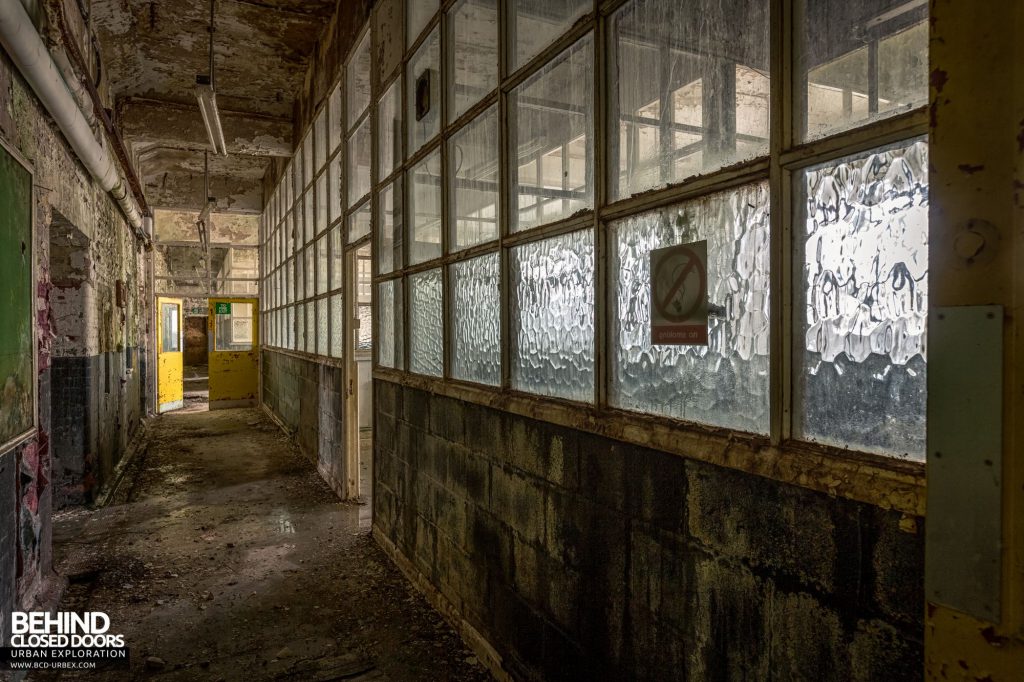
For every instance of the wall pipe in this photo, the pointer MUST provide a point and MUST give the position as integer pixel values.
(23, 44)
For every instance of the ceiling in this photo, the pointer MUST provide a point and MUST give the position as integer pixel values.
(152, 51)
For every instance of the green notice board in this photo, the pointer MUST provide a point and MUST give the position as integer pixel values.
(17, 384)
(223, 308)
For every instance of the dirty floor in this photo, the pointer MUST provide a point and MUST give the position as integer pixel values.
(225, 557)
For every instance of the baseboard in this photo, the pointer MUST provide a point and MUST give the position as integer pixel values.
(470, 635)
(134, 446)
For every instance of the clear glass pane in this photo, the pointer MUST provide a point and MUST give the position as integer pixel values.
(389, 331)
(389, 237)
(359, 223)
(473, 43)
(321, 326)
(337, 258)
(425, 209)
(359, 155)
(418, 15)
(334, 191)
(389, 116)
(862, 308)
(170, 328)
(538, 23)
(552, 131)
(233, 329)
(423, 79)
(337, 320)
(425, 328)
(307, 159)
(476, 320)
(473, 169)
(685, 107)
(321, 265)
(357, 78)
(862, 61)
(726, 382)
(553, 316)
(309, 217)
(322, 202)
(321, 139)
(334, 118)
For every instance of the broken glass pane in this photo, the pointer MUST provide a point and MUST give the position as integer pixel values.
(726, 382)
(552, 132)
(692, 83)
(476, 320)
(862, 307)
(426, 337)
(553, 316)
(473, 167)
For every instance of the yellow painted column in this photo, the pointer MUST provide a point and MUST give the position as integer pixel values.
(977, 160)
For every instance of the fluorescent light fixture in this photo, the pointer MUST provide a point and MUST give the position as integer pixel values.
(211, 116)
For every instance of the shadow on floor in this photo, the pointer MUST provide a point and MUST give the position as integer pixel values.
(226, 557)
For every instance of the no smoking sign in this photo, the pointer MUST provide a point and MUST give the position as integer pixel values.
(679, 295)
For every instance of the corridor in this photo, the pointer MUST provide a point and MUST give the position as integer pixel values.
(224, 556)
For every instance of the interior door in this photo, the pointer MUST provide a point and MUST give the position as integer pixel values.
(234, 352)
(170, 385)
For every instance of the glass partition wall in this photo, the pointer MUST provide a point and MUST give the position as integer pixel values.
(519, 165)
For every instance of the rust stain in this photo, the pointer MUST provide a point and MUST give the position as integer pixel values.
(938, 79)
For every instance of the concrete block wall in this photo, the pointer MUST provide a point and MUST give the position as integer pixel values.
(579, 557)
(305, 396)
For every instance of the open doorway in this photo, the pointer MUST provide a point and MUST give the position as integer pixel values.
(359, 435)
(196, 354)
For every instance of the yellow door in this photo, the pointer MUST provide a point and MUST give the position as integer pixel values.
(234, 352)
(170, 386)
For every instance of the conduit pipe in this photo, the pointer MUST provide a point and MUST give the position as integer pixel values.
(20, 39)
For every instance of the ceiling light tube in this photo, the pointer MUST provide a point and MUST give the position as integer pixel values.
(211, 116)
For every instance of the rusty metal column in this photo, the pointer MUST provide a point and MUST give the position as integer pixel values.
(976, 273)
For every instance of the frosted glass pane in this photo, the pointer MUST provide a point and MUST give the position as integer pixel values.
(861, 62)
(425, 329)
(538, 23)
(726, 382)
(337, 258)
(418, 15)
(425, 209)
(359, 154)
(321, 265)
(357, 77)
(321, 326)
(692, 90)
(365, 339)
(389, 117)
(476, 320)
(307, 158)
(337, 320)
(290, 329)
(389, 237)
(389, 331)
(553, 316)
(473, 167)
(473, 42)
(426, 63)
(359, 223)
(310, 335)
(552, 131)
(862, 306)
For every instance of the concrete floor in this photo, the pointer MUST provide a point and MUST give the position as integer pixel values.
(225, 557)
